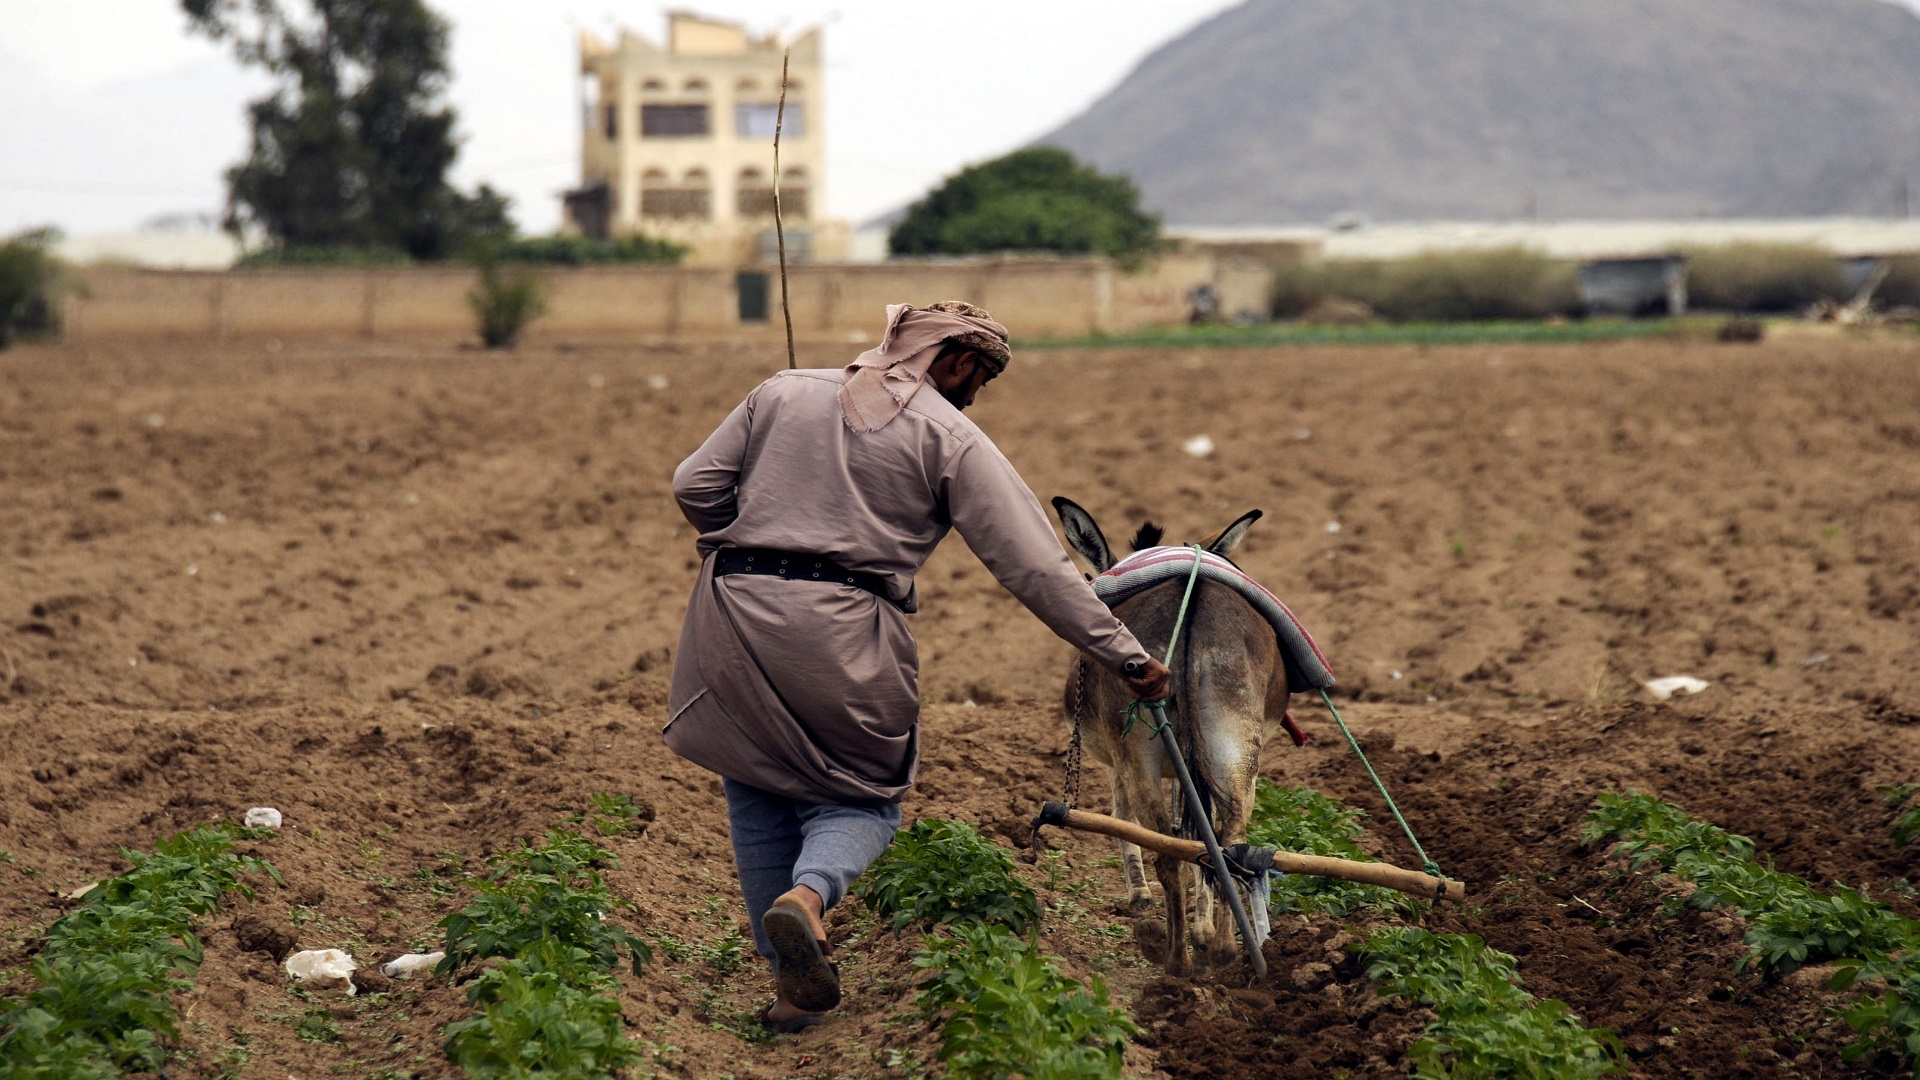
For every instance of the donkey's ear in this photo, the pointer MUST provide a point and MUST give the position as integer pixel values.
(1231, 536)
(1083, 535)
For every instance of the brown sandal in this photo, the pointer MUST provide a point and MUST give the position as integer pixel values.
(792, 1025)
(801, 972)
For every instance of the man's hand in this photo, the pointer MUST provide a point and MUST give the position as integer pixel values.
(1151, 682)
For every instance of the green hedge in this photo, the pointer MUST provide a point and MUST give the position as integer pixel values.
(1441, 286)
(1762, 277)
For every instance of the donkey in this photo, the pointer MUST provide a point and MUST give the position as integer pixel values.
(1229, 692)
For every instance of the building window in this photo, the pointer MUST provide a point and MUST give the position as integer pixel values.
(695, 86)
(673, 121)
(677, 204)
(753, 195)
(653, 86)
(613, 122)
(754, 120)
(691, 200)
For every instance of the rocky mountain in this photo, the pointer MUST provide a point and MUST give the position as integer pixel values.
(1283, 111)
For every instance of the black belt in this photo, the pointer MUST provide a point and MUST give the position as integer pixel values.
(795, 566)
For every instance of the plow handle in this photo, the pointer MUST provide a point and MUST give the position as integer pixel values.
(1411, 882)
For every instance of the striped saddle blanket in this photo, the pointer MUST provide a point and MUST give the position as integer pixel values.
(1306, 665)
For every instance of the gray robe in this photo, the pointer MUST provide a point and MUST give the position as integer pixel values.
(811, 689)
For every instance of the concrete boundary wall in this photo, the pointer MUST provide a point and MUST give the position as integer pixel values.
(1035, 297)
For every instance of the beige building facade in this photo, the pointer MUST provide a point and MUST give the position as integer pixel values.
(677, 142)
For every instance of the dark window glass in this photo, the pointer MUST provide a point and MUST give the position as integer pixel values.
(673, 121)
(613, 122)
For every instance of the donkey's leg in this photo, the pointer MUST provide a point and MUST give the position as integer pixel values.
(1173, 878)
(1205, 931)
(1139, 897)
(1144, 797)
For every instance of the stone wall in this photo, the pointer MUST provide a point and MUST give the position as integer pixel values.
(1035, 297)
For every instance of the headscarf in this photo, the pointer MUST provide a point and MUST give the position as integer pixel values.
(883, 379)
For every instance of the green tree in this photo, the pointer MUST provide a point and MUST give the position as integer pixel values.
(351, 150)
(1037, 199)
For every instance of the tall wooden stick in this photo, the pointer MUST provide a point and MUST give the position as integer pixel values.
(779, 228)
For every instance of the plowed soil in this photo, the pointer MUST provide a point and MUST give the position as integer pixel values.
(424, 600)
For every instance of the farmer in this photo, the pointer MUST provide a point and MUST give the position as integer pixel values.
(817, 500)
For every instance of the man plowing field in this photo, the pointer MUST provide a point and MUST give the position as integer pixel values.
(797, 680)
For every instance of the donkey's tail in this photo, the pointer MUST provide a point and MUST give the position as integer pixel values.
(1191, 726)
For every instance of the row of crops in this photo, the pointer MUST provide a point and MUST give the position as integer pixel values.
(538, 954)
(102, 1002)
(1789, 923)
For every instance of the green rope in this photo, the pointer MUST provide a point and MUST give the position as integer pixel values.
(1140, 709)
(1429, 865)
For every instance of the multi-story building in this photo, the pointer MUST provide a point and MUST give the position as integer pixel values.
(678, 141)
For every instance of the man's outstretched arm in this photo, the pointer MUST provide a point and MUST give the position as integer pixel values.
(998, 516)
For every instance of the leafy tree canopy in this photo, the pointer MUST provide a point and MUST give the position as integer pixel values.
(1037, 199)
(351, 150)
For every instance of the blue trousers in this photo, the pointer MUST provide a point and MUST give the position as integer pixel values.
(779, 843)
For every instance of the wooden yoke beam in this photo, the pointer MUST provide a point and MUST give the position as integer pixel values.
(1386, 875)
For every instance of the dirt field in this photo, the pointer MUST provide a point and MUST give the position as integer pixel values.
(423, 601)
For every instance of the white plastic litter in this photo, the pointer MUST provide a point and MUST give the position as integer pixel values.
(1333, 526)
(411, 963)
(1662, 689)
(262, 817)
(1198, 446)
(322, 969)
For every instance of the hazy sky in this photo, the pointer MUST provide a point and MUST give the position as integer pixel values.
(113, 115)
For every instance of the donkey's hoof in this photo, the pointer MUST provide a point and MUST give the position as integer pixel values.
(1151, 936)
(1140, 903)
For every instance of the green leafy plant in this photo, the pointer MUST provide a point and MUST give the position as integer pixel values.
(548, 1005)
(1906, 827)
(537, 1023)
(1308, 823)
(1485, 1025)
(1789, 923)
(613, 815)
(506, 299)
(946, 872)
(107, 970)
(1010, 1011)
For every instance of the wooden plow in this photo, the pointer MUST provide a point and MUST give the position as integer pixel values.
(1245, 861)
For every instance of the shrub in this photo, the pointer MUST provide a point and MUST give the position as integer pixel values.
(1505, 283)
(1299, 287)
(318, 255)
(30, 281)
(946, 872)
(584, 250)
(1902, 285)
(1751, 276)
(1439, 286)
(506, 300)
